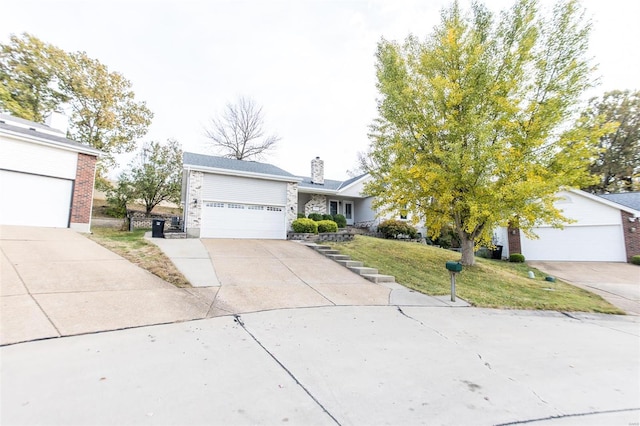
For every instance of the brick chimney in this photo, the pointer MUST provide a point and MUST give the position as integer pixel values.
(317, 171)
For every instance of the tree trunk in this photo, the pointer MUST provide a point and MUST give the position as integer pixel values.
(467, 245)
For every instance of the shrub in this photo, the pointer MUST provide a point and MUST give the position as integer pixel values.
(315, 216)
(340, 220)
(516, 257)
(301, 216)
(484, 253)
(635, 259)
(327, 217)
(327, 226)
(305, 225)
(392, 228)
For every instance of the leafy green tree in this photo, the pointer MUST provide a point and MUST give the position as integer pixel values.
(120, 196)
(28, 77)
(38, 78)
(618, 164)
(477, 126)
(156, 173)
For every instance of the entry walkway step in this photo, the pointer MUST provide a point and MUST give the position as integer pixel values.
(356, 266)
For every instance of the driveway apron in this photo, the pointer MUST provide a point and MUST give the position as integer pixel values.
(56, 282)
(618, 283)
(256, 275)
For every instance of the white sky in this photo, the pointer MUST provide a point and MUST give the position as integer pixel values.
(309, 63)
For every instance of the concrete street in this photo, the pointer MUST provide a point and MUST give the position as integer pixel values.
(335, 365)
(275, 333)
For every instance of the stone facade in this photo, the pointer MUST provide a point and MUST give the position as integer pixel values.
(317, 204)
(317, 171)
(631, 231)
(83, 193)
(193, 203)
(292, 203)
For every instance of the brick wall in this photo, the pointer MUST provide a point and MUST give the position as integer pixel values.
(631, 232)
(83, 189)
(515, 245)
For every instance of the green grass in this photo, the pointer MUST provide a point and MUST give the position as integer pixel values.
(489, 283)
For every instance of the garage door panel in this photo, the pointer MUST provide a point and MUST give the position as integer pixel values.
(235, 220)
(603, 243)
(33, 200)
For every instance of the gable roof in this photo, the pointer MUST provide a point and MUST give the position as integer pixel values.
(629, 199)
(231, 166)
(45, 135)
(606, 202)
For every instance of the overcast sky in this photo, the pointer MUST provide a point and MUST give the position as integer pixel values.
(310, 64)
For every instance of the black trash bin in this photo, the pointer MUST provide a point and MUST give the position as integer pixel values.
(157, 228)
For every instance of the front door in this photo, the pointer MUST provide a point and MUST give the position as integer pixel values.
(348, 212)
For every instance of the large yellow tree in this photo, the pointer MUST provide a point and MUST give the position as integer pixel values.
(477, 124)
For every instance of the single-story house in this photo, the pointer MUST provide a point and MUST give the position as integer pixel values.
(45, 179)
(227, 198)
(604, 231)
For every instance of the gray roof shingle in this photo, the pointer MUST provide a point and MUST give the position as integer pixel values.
(629, 199)
(46, 136)
(209, 161)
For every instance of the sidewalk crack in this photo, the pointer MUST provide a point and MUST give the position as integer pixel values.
(238, 319)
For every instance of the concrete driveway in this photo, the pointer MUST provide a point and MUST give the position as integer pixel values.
(56, 282)
(618, 283)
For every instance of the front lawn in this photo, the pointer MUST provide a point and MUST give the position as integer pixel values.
(489, 283)
(133, 247)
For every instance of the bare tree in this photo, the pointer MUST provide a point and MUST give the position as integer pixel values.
(239, 132)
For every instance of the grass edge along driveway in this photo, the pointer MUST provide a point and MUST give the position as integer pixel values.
(133, 247)
(488, 284)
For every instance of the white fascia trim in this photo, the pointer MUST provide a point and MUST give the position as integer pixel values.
(228, 172)
(604, 201)
(41, 141)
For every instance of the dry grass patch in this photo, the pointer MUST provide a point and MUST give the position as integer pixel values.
(133, 247)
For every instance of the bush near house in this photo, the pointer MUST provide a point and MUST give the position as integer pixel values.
(516, 257)
(327, 226)
(340, 220)
(392, 228)
(315, 216)
(635, 259)
(327, 217)
(304, 225)
(301, 216)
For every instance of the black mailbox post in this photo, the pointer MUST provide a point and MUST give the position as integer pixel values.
(453, 268)
(157, 228)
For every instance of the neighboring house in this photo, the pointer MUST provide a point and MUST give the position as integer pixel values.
(45, 179)
(603, 230)
(226, 198)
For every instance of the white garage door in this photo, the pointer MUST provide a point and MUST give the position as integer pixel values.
(33, 200)
(237, 220)
(579, 243)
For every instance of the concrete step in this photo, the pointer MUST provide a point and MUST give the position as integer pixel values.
(361, 270)
(338, 257)
(319, 247)
(379, 278)
(350, 263)
(327, 252)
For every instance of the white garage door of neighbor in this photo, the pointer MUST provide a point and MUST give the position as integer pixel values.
(237, 220)
(33, 200)
(579, 243)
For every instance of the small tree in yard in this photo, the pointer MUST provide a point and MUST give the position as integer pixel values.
(156, 174)
(120, 196)
(478, 125)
